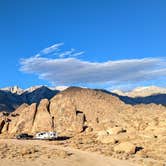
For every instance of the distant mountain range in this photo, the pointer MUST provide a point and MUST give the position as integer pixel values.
(73, 110)
(19, 91)
(142, 91)
(12, 97)
(88, 117)
(143, 95)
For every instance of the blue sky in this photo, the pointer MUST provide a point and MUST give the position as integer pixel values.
(109, 32)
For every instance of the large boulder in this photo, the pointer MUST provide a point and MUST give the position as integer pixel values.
(5, 127)
(115, 130)
(66, 116)
(76, 105)
(125, 147)
(102, 133)
(107, 139)
(42, 119)
(2, 123)
(24, 120)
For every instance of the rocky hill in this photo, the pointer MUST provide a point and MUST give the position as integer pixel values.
(73, 110)
(97, 121)
(12, 97)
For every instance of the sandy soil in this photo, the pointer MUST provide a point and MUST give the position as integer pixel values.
(49, 154)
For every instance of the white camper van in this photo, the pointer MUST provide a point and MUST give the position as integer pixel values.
(46, 135)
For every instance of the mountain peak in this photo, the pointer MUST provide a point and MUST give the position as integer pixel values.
(14, 89)
(142, 91)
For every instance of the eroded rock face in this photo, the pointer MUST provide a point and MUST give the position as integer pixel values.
(47, 116)
(73, 110)
(2, 123)
(42, 119)
(25, 119)
(76, 109)
(66, 116)
(84, 107)
(111, 125)
(31, 118)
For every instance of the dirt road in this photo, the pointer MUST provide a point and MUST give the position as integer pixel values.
(77, 157)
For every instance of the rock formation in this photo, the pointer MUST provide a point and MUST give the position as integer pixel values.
(96, 119)
(77, 109)
(12, 97)
(42, 120)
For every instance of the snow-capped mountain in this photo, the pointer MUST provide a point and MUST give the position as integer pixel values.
(13, 89)
(12, 97)
(142, 91)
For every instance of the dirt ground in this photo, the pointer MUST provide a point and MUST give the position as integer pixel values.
(15, 152)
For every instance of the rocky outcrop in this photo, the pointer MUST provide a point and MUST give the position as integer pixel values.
(77, 109)
(115, 130)
(12, 97)
(97, 121)
(2, 123)
(42, 120)
(73, 110)
(66, 116)
(30, 118)
(107, 139)
(24, 121)
(125, 147)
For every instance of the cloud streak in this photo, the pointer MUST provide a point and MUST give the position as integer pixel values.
(67, 53)
(51, 49)
(57, 51)
(74, 71)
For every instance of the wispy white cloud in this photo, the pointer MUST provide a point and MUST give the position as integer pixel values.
(66, 53)
(58, 52)
(72, 70)
(51, 49)
(78, 53)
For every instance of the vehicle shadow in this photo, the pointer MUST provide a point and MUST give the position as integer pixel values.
(63, 138)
